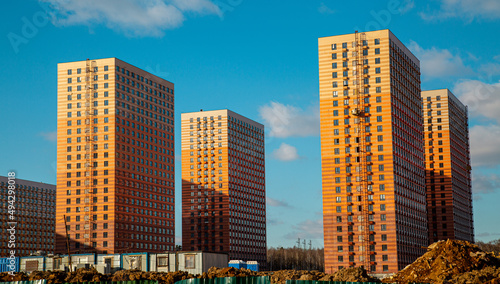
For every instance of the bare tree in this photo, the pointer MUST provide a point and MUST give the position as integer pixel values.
(295, 258)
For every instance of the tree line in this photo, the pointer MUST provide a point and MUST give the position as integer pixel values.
(492, 246)
(295, 258)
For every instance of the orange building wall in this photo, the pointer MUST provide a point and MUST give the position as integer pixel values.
(389, 152)
(223, 186)
(33, 214)
(129, 197)
(448, 183)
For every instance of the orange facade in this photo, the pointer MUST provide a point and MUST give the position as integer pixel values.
(448, 182)
(115, 158)
(374, 206)
(33, 216)
(223, 185)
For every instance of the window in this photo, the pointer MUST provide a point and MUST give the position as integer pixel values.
(334, 65)
(377, 41)
(163, 261)
(334, 74)
(377, 60)
(334, 46)
(377, 50)
(377, 70)
(334, 55)
(378, 89)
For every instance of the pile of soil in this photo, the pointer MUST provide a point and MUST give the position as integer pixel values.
(356, 274)
(282, 275)
(80, 275)
(6, 277)
(351, 274)
(451, 261)
(85, 275)
(161, 277)
(214, 272)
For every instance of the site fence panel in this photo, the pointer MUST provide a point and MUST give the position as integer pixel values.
(332, 282)
(227, 280)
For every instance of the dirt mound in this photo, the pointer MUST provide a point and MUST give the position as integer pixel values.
(161, 277)
(450, 261)
(56, 276)
(351, 274)
(6, 277)
(214, 272)
(85, 275)
(282, 275)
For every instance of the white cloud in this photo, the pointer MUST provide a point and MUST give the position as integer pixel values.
(482, 183)
(49, 136)
(274, 221)
(277, 203)
(308, 229)
(286, 120)
(484, 141)
(286, 153)
(406, 6)
(482, 99)
(133, 17)
(466, 9)
(490, 69)
(323, 9)
(435, 62)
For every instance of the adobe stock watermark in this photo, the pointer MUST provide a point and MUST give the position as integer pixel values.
(227, 6)
(382, 18)
(30, 26)
(11, 222)
(482, 91)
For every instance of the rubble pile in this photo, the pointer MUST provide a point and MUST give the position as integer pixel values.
(214, 272)
(7, 277)
(85, 275)
(351, 274)
(161, 277)
(347, 274)
(282, 275)
(51, 276)
(451, 261)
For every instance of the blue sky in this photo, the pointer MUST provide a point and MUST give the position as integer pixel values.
(257, 58)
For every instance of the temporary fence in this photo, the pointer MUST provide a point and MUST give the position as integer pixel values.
(332, 282)
(102, 282)
(228, 280)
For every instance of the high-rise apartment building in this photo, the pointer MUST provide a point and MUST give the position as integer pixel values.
(223, 184)
(374, 199)
(115, 158)
(28, 226)
(447, 167)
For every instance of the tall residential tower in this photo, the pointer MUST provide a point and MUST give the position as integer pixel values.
(223, 184)
(33, 216)
(374, 199)
(115, 158)
(447, 167)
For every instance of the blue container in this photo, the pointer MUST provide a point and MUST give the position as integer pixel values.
(253, 265)
(239, 264)
(9, 264)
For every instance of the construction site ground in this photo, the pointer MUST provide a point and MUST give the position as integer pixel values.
(445, 262)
